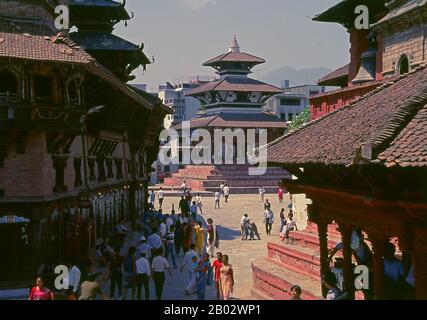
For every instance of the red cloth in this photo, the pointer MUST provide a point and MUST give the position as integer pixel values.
(43, 294)
(217, 267)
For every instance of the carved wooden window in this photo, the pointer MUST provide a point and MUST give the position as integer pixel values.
(78, 174)
(119, 168)
(8, 87)
(59, 164)
(73, 94)
(43, 89)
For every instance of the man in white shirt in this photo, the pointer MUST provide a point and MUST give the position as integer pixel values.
(226, 193)
(143, 272)
(217, 199)
(221, 188)
(160, 265)
(161, 196)
(144, 248)
(243, 221)
(187, 264)
(199, 203)
(169, 221)
(261, 192)
(163, 229)
(155, 242)
(74, 279)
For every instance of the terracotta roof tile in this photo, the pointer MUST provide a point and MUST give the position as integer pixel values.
(375, 119)
(234, 57)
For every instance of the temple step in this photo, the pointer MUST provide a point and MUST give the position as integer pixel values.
(276, 281)
(310, 240)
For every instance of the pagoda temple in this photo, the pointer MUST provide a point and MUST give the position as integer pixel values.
(233, 101)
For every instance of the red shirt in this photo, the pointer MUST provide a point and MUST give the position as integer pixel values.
(217, 266)
(43, 294)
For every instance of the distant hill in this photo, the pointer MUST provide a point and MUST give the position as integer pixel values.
(297, 77)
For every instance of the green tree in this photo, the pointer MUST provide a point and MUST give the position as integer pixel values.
(302, 118)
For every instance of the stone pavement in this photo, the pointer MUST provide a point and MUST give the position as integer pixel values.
(241, 252)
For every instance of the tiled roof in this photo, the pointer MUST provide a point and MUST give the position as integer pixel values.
(36, 47)
(234, 57)
(102, 41)
(373, 121)
(397, 10)
(335, 75)
(237, 84)
(410, 147)
(95, 3)
(236, 120)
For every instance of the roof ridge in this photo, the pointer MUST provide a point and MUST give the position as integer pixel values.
(379, 89)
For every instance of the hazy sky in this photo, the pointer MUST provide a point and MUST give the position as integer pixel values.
(182, 34)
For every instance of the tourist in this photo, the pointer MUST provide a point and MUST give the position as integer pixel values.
(213, 238)
(289, 226)
(243, 222)
(199, 237)
(393, 274)
(217, 197)
(169, 222)
(40, 292)
(144, 248)
(159, 266)
(187, 264)
(143, 272)
(174, 217)
(330, 282)
(152, 197)
(90, 289)
(74, 278)
(170, 245)
(282, 220)
(163, 229)
(295, 292)
(227, 278)
(179, 237)
(188, 236)
(193, 210)
(155, 243)
(183, 206)
(226, 193)
(188, 198)
(280, 194)
(268, 220)
(129, 273)
(221, 188)
(267, 205)
(184, 187)
(253, 230)
(202, 276)
(261, 192)
(116, 275)
(216, 265)
(199, 203)
(161, 196)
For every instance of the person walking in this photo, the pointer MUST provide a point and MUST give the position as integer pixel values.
(159, 266)
(155, 243)
(267, 204)
(74, 277)
(290, 226)
(40, 292)
(152, 197)
(254, 230)
(226, 193)
(187, 265)
(129, 273)
(170, 245)
(243, 222)
(161, 196)
(201, 277)
(188, 236)
(227, 278)
(90, 289)
(179, 237)
(212, 240)
(193, 210)
(268, 220)
(183, 206)
(199, 203)
(261, 192)
(280, 194)
(143, 272)
(200, 237)
(116, 275)
(282, 220)
(217, 197)
(217, 265)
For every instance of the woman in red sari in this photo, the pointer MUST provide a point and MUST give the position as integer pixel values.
(40, 292)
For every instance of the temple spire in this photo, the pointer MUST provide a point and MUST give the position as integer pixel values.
(234, 47)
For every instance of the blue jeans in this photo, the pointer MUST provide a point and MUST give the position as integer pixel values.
(170, 250)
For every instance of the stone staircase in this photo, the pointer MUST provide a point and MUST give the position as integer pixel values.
(296, 263)
(209, 178)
